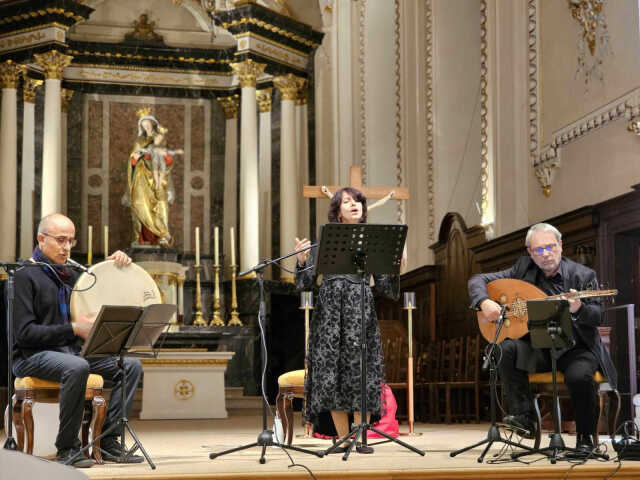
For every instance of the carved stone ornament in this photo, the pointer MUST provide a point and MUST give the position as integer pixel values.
(53, 63)
(29, 87)
(301, 97)
(143, 31)
(288, 85)
(230, 106)
(65, 97)
(248, 72)
(10, 74)
(545, 172)
(264, 99)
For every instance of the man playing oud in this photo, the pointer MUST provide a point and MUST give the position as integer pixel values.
(547, 269)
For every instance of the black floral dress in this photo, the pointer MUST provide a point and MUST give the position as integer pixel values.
(333, 358)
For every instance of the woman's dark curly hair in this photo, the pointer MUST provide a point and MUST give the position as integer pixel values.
(336, 201)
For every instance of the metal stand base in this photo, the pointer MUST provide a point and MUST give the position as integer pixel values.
(556, 447)
(265, 439)
(493, 436)
(360, 432)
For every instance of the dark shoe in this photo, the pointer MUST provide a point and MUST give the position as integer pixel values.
(66, 455)
(112, 452)
(360, 448)
(584, 447)
(522, 424)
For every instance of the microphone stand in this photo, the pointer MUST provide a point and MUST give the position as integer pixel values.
(266, 437)
(493, 435)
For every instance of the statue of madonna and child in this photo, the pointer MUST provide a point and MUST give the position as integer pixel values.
(149, 185)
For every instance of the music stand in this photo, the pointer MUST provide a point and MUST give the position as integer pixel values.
(493, 434)
(120, 331)
(550, 326)
(362, 249)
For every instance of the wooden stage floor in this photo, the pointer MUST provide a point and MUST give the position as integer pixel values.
(180, 450)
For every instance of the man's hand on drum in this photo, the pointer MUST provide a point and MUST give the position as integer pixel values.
(490, 309)
(120, 258)
(82, 325)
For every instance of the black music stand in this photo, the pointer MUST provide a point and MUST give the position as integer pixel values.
(493, 435)
(265, 437)
(121, 331)
(550, 326)
(362, 249)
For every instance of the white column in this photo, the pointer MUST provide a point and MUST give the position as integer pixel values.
(9, 75)
(230, 212)
(264, 152)
(290, 196)
(64, 99)
(248, 72)
(302, 149)
(27, 240)
(53, 63)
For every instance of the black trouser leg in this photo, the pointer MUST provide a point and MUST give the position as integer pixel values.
(578, 366)
(515, 382)
(72, 373)
(107, 367)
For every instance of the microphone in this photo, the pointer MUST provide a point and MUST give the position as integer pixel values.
(72, 263)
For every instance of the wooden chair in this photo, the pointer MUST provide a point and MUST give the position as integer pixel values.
(29, 390)
(395, 365)
(427, 374)
(290, 386)
(542, 385)
(450, 371)
(467, 385)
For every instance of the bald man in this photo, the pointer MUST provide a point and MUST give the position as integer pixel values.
(45, 341)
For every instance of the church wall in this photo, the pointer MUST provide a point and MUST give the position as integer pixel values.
(563, 94)
(601, 162)
(457, 109)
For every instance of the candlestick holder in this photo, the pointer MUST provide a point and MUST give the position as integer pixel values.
(409, 305)
(198, 319)
(216, 317)
(235, 318)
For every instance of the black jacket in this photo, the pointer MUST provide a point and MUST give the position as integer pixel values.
(574, 275)
(37, 322)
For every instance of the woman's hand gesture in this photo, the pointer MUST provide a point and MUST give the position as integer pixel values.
(302, 256)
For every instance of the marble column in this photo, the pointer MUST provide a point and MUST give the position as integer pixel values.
(27, 238)
(302, 149)
(53, 62)
(248, 72)
(64, 104)
(264, 152)
(230, 212)
(290, 188)
(9, 76)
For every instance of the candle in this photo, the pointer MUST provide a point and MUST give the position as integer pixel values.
(197, 245)
(106, 241)
(215, 245)
(233, 248)
(90, 245)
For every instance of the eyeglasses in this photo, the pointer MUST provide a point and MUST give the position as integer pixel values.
(547, 248)
(62, 241)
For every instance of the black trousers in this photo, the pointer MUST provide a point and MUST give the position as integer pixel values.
(578, 365)
(72, 372)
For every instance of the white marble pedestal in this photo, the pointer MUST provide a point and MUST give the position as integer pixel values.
(184, 384)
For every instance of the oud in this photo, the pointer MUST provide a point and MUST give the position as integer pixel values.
(514, 294)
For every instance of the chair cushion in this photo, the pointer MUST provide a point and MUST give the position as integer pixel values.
(546, 377)
(29, 383)
(295, 377)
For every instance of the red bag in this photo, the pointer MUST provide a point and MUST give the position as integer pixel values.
(387, 423)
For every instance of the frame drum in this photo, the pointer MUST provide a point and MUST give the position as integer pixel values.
(130, 285)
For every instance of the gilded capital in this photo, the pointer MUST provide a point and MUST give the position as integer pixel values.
(29, 87)
(301, 98)
(230, 106)
(53, 63)
(288, 85)
(65, 98)
(10, 74)
(248, 72)
(263, 97)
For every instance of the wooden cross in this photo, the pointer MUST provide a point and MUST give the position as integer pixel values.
(355, 181)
